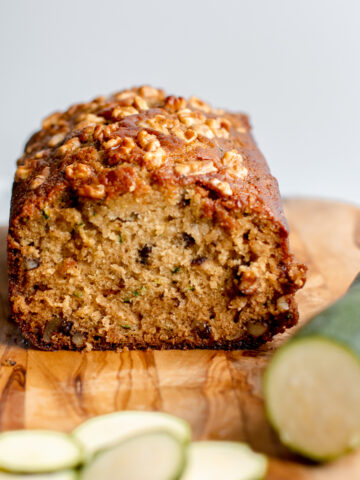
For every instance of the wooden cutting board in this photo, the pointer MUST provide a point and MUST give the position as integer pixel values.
(219, 393)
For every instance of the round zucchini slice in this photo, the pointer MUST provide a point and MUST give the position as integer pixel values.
(148, 456)
(107, 430)
(212, 460)
(38, 451)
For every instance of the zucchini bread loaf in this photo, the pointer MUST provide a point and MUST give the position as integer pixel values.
(145, 220)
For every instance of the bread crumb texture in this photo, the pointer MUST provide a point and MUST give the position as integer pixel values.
(145, 220)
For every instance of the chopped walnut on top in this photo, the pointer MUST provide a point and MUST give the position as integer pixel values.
(92, 191)
(86, 119)
(40, 179)
(173, 104)
(223, 187)
(22, 172)
(234, 161)
(121, 112)
(151, 92)
(219, 126)
(51, 120)
(78, 171)
(160, 123)
(112, 143)
(190, 118)
(148, 141)
(155, 158)
(199, 104)
(195, 168)
(69, 146)
(56, 139)
(188, 135)
(140, 103)
(142, 128)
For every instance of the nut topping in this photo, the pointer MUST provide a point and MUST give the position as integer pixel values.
(223, 187)
(56, 139)
(121, 112)
(92, 191)
(181, 137)
(148, 142)
(173, 104)
(235, 163)
(22, 173)
(140, 103)
(112, 143)
(78, 171)
(155, 158)
(195, 168)
(197, 103)
(69, 146)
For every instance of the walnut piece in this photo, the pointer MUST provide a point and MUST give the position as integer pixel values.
(78, 171)
(190, 118)
(148, 142)
(223, 187)
(121, 112)
(56, 139)
(92, 191)
(22, 172)
(112, 143)
(248, 283)
(140, 103)
(197, 103)
(69, 146)
(155, 158)
(235, 163)
(173, 104)
(195, 168)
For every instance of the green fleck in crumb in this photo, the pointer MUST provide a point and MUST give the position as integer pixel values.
(78, 294)
(138, 292)
(176, 270)
(121, 240)
(45, 214)
(127, 300)
(190, 287)
(81, 224)
(124, 325)
(94, 213)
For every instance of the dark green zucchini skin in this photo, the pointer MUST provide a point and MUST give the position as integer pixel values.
(340, 322)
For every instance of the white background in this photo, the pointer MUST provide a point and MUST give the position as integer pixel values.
(294, 66)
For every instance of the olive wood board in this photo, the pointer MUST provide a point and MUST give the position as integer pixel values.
(218, 392)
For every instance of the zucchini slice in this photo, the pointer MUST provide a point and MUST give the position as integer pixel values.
(213, 460)
(38, 451)
(312, 384)
(107, 430)
(64, 475)
(148, 456)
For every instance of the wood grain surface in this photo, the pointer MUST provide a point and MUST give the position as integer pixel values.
(219, 393)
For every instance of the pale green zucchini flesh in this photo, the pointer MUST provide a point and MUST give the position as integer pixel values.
(38, 451)
(213, 460)
(107, 430)
(147, 456)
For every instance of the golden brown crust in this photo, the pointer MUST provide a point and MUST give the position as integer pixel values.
(139, 137)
